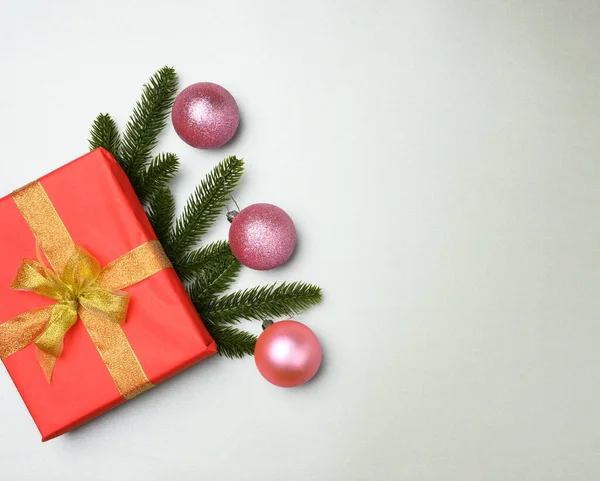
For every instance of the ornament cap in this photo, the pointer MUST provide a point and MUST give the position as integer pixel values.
(231, 215)
(267, 323)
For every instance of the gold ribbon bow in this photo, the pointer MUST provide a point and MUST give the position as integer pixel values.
(82, 290)
(76, 291)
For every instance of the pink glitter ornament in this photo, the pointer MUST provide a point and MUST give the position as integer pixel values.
(205, 115)
(288, 354)
(262, 236)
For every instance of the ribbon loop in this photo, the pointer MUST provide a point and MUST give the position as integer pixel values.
(35, 277)
(81, 270)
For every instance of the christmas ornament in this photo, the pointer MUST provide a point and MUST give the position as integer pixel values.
(261, 236)
(288, 354)
(205, 115)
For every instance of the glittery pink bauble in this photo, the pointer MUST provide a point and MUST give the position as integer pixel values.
(205, 115)
(288, 354)
(262, 236)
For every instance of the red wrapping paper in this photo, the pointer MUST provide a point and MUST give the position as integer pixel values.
(101, 211)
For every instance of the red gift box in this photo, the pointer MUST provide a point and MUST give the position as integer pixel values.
(101, 212)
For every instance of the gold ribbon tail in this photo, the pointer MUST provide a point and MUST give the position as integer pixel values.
(18, 332)
(50, 342)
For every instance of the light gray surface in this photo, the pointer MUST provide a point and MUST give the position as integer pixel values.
(440, 160)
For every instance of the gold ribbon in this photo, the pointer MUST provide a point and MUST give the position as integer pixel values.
(82, 289)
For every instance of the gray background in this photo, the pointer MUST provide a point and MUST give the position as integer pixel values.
(440, 160)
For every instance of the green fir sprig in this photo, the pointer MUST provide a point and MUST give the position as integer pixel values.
(161, 212)
(160, 172)
(262, 303)
(208, 271)
(232, 342)
(105, 134)
(147, 121)
(203, 208)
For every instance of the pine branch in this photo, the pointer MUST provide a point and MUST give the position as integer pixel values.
(159, 174)
(212, 269)
(161, 214)
(262, 303)
(216, 255)
(232, 342)
(104, 133)
(149, 118)
(205, 205)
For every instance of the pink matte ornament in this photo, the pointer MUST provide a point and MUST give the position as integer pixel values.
(205, 115)
(262, 236)
(288, 354)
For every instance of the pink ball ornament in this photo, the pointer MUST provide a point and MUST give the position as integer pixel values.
(205, 115)
(262, 236)
(288, 354)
